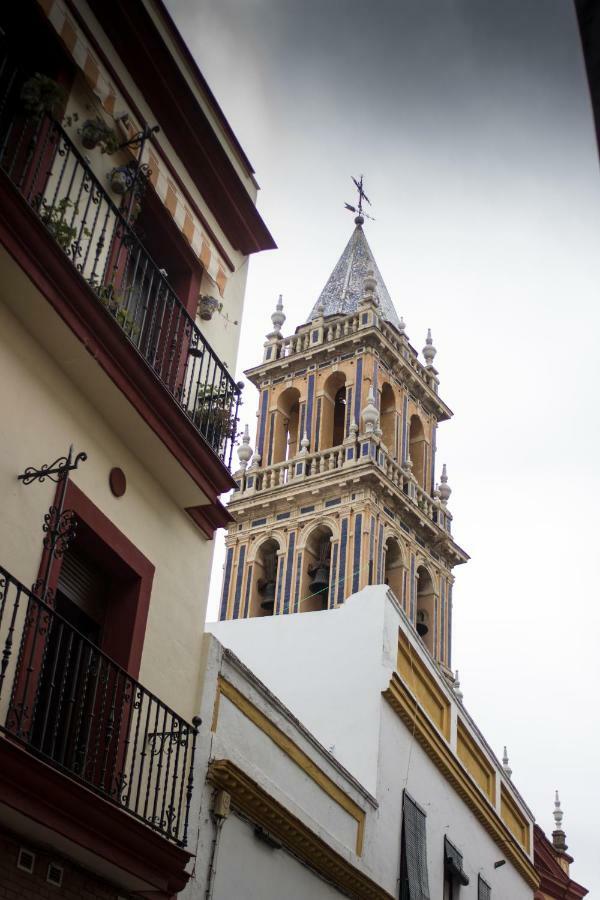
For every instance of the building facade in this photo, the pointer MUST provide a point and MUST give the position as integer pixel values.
(340, 762)
(341, 489)
(127, 218)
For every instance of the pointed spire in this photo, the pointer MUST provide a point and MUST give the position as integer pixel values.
(278, 317)
(505, 766)
(370, 413)
(456, 688)
(444, 488)
(345, 286)
(429, 350)
(559, 838)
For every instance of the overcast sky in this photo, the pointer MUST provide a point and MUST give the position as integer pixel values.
(471, 122)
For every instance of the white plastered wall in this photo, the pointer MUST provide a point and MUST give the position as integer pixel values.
(330, 669)
(42, 412)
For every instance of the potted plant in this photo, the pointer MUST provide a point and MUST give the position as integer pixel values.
(208, 306)
(94, 133)
(117, 307)
(54, 217)
(41, 94)
(122, 178)
(213, 416)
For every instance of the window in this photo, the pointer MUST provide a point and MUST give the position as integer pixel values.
(484, 891)
(454, 874)
(414, 880)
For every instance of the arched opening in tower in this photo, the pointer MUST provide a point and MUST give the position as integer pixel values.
(285, 425)
(264, 579)
(393, 567)
(388, 418)
(417, 446)
(333, 413)
(425, 606)
(314, 588)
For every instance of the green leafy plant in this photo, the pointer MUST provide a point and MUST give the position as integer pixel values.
(95, 133)
(54, 217)
(213, 415)
(41, 94)
(117, 307)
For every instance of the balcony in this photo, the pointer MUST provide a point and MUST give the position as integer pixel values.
(69, 705)
(363, 454)
(123, 281)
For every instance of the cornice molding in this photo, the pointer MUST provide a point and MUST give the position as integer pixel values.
(250, 799)
(416, 720)
(293, 752)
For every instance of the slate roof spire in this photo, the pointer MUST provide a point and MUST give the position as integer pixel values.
(344, 288)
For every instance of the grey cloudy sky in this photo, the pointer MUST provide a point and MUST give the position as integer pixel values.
(471, 122)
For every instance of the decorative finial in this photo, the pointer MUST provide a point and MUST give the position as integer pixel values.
(559, 841)
(370, 288)
(445, 489)
(278, 317)
(353, 428)
(558, 813)
(505, 766)
(429, 350)
(456, 688)
(304, 444)
(360, 218)
(244, 451)
(370, 413)
(321, 309)
(402, 325)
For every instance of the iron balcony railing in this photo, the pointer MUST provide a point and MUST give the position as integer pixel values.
(52, 176)
(67, 702)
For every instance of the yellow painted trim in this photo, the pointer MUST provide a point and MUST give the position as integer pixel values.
(215, 715)
(410, 711)
(424, 687)
(475, 762)
(294, 752)
(253, 801)
(514, 818)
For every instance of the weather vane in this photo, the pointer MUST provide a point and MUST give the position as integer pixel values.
(361, 196)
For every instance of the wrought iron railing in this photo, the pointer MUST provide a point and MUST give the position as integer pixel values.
(68, 703)
(53, 177)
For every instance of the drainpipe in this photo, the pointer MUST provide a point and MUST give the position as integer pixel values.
(221, 807)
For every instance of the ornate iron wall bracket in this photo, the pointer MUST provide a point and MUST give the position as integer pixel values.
(60, 524)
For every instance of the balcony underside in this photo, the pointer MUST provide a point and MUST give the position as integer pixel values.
(49, 808)
(49, 297)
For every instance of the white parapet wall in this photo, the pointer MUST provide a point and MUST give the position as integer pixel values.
(360, 680)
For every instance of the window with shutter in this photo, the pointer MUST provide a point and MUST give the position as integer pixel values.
(414, 880)
(454, 873)
(484, 891)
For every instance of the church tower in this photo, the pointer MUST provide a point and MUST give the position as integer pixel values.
(340, 491)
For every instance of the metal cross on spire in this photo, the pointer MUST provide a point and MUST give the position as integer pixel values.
(359, 207)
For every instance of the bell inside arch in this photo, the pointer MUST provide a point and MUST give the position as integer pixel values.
(268, 595)
(320, 580)
(422, 623)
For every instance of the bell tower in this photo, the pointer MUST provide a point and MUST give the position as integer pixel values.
(340, 491)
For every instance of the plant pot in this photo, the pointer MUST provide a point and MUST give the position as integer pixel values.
(121, 180)
(207, 306)
(91, 134)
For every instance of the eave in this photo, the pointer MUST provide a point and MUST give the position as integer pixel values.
(187, 127)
